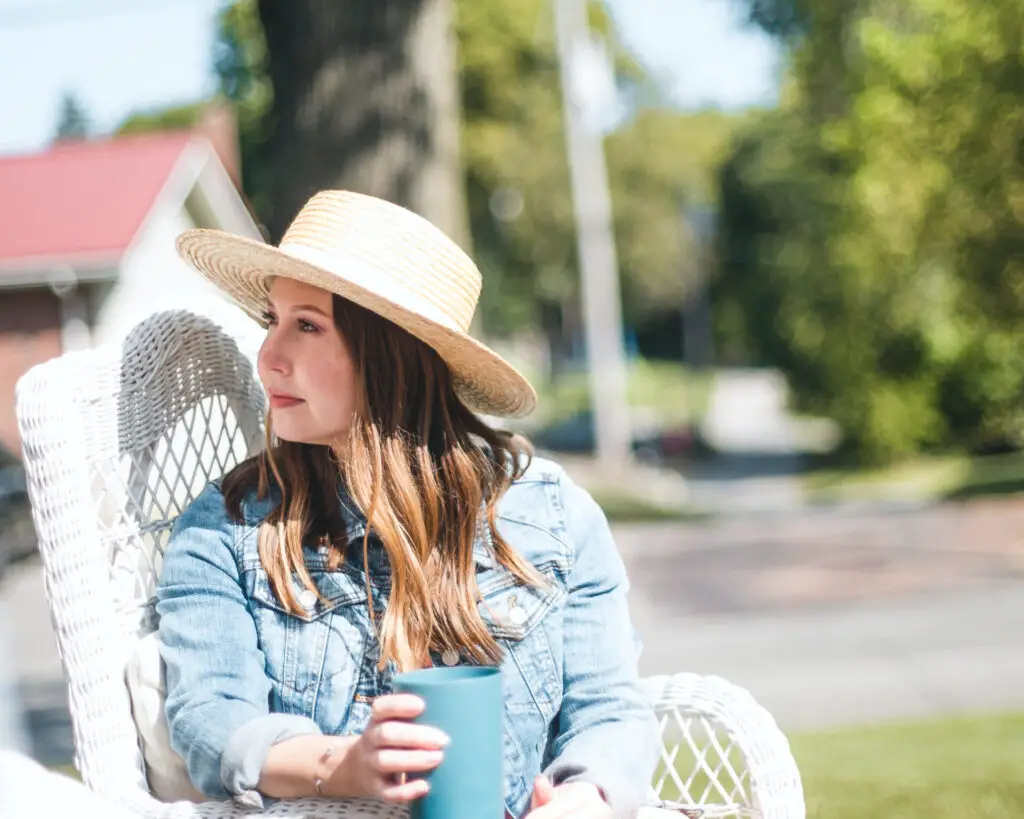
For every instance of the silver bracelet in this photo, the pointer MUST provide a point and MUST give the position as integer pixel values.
(324, 758)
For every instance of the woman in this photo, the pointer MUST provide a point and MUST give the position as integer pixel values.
(386, 528)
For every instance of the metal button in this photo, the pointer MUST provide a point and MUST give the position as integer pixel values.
(517, 616)
(450, 657)
(307, 599)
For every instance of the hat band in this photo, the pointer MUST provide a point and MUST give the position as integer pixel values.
(372, 279)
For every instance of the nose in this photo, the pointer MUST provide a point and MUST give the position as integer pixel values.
(272, 357)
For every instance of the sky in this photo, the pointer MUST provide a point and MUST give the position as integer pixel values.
(118, 56)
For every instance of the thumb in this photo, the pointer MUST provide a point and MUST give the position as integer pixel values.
(543, 792)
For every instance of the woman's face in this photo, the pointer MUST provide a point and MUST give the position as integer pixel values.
(305, 366)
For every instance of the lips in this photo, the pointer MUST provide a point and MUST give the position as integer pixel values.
(282, 400)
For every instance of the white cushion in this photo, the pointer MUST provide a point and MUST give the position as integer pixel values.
(166, 771)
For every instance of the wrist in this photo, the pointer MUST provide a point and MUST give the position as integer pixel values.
(330, 772)
(293, 766)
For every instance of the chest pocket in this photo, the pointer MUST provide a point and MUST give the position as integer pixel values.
(321, 646)
(525, 620)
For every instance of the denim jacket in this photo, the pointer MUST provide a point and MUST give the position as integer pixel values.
(242, 674)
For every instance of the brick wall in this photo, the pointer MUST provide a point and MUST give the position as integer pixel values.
(29, 334)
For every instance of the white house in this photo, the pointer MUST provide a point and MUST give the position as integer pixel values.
(87, 235)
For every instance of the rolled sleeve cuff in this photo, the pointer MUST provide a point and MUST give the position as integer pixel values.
(247, 749)
(619, 796)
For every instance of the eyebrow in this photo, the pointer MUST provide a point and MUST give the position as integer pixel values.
(297, 307)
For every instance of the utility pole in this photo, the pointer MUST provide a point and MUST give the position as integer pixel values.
(602, 309)
(698, 343)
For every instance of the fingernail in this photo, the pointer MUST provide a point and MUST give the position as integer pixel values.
(443, 740)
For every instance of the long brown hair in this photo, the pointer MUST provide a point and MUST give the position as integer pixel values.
(426, 472)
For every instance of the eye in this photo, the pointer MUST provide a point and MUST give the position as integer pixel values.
(268, 317)
(308, 326)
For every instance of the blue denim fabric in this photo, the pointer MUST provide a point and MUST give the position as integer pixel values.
(242, 674)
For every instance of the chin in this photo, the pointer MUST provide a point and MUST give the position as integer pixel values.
(294, 436)
(300, 436)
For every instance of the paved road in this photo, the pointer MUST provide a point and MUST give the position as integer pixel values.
(828, 617)
(24, 615)
(918, 656)
(834, 618)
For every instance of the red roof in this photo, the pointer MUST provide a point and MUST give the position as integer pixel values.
(82, 200)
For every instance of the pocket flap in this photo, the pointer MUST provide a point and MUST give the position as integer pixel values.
(510, 610)
(338, 588)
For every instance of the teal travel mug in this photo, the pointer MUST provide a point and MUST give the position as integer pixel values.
(466, 703)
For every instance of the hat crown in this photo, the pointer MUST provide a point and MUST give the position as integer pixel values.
(385, 259)
(394, 251)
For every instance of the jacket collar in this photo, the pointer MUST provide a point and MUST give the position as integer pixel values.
(355, 528)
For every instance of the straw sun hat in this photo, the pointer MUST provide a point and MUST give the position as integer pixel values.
(384, 258)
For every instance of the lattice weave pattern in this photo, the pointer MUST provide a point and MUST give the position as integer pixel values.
(118, 440)
(722, 751)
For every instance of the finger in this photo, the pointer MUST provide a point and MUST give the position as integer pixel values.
(396, 734)
(404, 792)
(543, 792)
(396, 706)
(391, 761)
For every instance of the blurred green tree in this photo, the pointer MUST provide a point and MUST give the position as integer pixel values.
(72, 119)
(517, 175)
(873, 249)
(513, 163)
(162, 119)
(240, 62)
(515, 172)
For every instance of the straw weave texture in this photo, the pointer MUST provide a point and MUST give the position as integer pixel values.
(386, 259)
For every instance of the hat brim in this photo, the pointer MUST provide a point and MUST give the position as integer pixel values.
(243, 268)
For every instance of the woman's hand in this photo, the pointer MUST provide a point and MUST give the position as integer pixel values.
(575, 800)
(376, 764)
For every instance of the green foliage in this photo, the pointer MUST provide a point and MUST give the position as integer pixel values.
(513, 152)
(240, 61)
(871, 243)
(163, 119)
(781, 18)
(72, 119)
(514, 156)
(517, 176)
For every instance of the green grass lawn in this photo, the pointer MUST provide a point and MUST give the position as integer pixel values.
(955, 477)
(962, 768)
(946, 769)
(673, 394)
(622, 506)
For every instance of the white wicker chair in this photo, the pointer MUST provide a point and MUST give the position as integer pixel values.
(118, 439)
